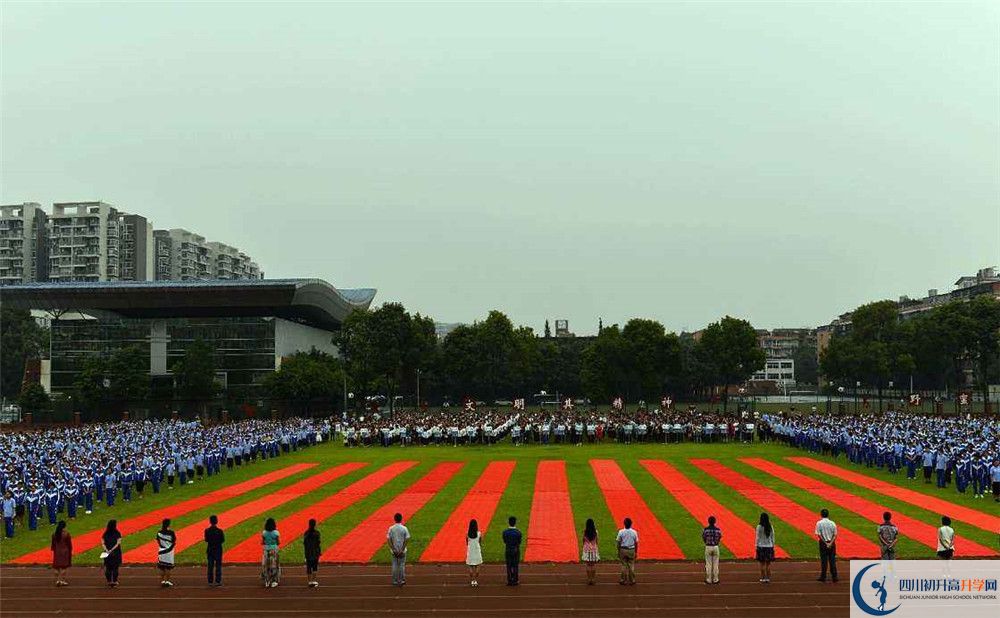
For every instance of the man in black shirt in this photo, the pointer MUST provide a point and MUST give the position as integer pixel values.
(214, 538)
(512, 554)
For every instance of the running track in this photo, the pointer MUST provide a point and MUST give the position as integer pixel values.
(92, 539)
(624, 501)
(360, 544)
(908, 526)
(480, 503)
(849, 544)
(737, 535)
(294, 525)
(967, 515)
(551, 531)
(189, 535)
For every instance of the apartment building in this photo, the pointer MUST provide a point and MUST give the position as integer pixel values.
(94, 241)
(182, 255)
(23, 243)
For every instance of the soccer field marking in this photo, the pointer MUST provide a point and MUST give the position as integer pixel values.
(194, 533)
(909, 527)
(361, 544)
(90, 540)
(849, 544)
(624, 501)
(551, 531)
(971, 516)
(480, 503)
(737, 535)
(293, 526)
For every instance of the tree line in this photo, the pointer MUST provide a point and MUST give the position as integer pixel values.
(943, 349)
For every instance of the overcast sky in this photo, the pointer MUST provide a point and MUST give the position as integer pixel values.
(679, 161)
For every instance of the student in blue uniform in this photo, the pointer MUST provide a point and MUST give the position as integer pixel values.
(9, 508)
(928, 465)
(110, 487)
(72, 493)
(52, 503)
(34, 500)
(126, 479)
(88, 495)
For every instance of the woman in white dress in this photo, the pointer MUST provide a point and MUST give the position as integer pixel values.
(473, 551)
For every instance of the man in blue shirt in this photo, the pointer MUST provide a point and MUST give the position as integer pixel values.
(512, 550)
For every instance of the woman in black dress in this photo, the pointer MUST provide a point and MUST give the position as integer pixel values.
(112, 544)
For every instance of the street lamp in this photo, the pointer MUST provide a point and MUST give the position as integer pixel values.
(892, 396)
(840, 398)
(418, 387)
(857, 385)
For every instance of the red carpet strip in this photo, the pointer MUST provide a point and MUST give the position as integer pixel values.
(194, 533)
(448, 545)
(551, 531)
(973, 517)
(90, 540)
(360, 544)
(295, 524)
(624, 501)
(737, 535)
(849, 544)
(908, 526)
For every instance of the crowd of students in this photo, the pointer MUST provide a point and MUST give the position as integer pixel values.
(943, 450)
(463, 427)
(49, 472)
(398, 538)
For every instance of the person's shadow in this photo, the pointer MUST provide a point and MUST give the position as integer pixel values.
(881, 593)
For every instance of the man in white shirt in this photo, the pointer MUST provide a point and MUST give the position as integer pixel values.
(397, 538)
(628, 549)
(826, 533)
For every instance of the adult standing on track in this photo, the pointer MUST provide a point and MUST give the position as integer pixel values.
(946, 539)
(62, 553)
(826, 533)
(591, 555)
(313, 548)
(711, 535)
(512, 551)
(764, 547)
(214, 538)
(166, 540)
(397, 538)
(628, 549)
(888, 534)
(111, 542)
(270, 570)
(473, 551)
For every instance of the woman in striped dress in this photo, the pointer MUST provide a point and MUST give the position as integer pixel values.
(166, 540)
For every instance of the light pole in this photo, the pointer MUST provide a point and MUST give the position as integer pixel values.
(840, 398)
(857, 385)
(418, 388)
(892, 396)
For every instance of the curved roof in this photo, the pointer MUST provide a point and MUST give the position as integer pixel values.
(310, 301)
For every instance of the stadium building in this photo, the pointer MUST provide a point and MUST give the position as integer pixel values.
(251, 324)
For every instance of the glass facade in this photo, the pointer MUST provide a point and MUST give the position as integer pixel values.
(244, 346)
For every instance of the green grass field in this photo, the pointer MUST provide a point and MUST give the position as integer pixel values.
(586, 498)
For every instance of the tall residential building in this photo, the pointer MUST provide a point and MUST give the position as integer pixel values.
(23, 244)
(182, 255)
(94, 241)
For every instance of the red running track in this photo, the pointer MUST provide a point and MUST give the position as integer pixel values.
(360, 544)
(849, 544)
(448, 545)
(551, 531)
(737, 535)
(967, 515)
(624, 501)
(189, 535)
(90, 540)
(908, 526)
(294, 525)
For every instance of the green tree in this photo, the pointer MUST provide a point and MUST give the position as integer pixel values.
(33, 398)
(306, 379)
(603, 366)
(21, 338)
(806, 364)
(109, 384)
(732, 352)
(194, 373)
